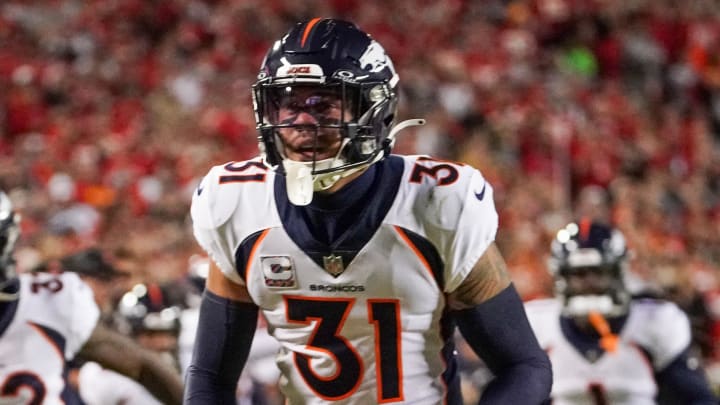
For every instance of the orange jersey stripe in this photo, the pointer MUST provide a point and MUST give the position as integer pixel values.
(414, 248)
(253, 251)
(44, 334)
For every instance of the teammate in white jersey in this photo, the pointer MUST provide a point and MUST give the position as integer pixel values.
(46, 320)
(606, 347)
(361, 262)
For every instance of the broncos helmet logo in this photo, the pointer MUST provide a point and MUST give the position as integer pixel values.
(374, 59)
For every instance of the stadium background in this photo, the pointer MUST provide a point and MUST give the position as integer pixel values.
(112, 110)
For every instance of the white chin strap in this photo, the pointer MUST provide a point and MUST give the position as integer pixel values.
(582, 305)
(10, 276)
(302, 184)
(9, 296)
(6, 296)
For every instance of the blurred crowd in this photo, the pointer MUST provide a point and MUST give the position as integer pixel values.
(111, 111)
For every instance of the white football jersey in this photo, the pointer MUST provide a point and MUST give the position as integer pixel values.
(54, 318)
(653, 335)
(99, 386)
(360, 321)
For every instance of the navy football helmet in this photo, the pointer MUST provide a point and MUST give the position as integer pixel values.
(588, 261)
(337, 59)
(9, 233)
(147, 311)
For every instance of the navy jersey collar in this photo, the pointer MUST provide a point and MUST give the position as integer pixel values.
(341, 223)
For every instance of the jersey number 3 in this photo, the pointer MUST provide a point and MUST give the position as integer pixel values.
(329, 316)
(21, 381)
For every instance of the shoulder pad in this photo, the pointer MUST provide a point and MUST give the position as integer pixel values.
(662, 342)
(445, 188)
(212, 205)
(63, 302)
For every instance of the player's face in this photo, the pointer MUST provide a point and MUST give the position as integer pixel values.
(308, 111)
(588, 281)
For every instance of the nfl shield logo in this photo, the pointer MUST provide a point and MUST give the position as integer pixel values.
(333, 264)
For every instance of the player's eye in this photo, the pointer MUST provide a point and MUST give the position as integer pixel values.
(292, 105)
(323, 106)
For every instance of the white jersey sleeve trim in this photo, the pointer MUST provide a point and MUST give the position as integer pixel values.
(220, 253)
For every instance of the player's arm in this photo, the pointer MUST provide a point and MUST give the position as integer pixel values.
(225, 331)
(683, 381)
(491, 317)
(117, 352)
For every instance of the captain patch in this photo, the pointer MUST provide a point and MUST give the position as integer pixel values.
(278, 271)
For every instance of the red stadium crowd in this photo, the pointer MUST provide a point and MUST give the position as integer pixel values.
(111, 112)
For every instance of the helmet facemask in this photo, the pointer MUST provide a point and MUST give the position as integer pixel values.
(341, 137)
(588, 266)
(590, 289)
(9, 233)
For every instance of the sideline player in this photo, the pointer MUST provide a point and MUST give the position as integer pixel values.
(605, 347)
(48, 319)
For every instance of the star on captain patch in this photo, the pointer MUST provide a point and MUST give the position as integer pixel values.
(333, 264)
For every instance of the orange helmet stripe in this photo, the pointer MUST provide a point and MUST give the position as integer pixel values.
(585, 224)
(308, 29)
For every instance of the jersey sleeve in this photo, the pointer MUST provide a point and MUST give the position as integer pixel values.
(99, 386)
(231, 203)
(210, 214)
(475, 228)
(83, 313)
(93, 388)
(664, 343)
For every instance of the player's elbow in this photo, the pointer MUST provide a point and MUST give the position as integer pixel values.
(540, 376)
(535, 375)
(528, 381)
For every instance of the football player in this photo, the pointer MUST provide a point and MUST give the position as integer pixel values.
(605, 346)
(362, 262)
(48, 319)
(145, 313)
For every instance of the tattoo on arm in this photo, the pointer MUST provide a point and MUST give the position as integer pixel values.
(488, 277)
